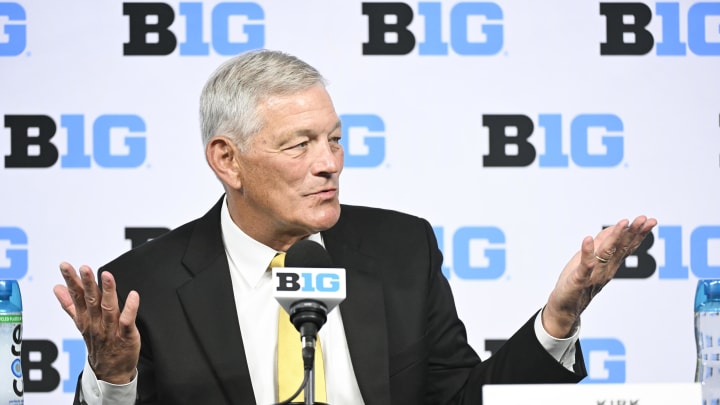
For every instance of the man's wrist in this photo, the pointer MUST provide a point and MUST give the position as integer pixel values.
(557, 325)
(562, 350)
(96, 392)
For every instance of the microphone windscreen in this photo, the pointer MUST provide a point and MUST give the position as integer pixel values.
(306, 253)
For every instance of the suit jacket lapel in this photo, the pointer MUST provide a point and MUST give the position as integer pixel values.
(210, 292)
(363, 314)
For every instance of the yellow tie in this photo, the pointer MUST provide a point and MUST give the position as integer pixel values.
(289, 358)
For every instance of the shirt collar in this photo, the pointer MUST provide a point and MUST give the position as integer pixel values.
(249, 257)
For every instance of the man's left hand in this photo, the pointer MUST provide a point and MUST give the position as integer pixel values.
(589, 271)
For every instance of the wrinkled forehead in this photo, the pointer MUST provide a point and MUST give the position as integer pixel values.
(309, 110)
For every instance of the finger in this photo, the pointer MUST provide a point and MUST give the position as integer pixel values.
(129, 314)
(632, 236)
(626, 235)
(66, 302)
(646, 227)
(92, 291)
(74, 288)
(635, 233)
(109, 301)
(587, 258)
(605, 252)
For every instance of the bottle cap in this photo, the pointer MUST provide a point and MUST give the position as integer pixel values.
(707, 291)
(10, 290)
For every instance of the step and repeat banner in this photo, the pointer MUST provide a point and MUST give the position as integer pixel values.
(515, 128)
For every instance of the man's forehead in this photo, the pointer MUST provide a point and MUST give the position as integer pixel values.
(304, 105)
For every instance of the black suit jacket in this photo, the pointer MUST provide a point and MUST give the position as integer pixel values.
(406, 342)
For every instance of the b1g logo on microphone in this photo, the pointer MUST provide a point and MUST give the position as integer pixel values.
(606, 360)
(363, 140)
(293, 284)
(704, 244)
(13, 30)
(627, 30)
(13, 253)
(309, 280)
(478, 252)
(118, 141)
(476, 28)
(235, 27)
(595, 140)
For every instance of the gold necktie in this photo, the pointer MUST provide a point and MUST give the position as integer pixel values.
(289, 357)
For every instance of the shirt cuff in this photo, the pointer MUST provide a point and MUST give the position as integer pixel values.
(562, 350)
(98, 392)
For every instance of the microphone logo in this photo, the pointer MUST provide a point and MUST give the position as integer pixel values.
(323, 282)
(326, 285)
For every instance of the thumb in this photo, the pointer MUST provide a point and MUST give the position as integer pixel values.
(587, 256)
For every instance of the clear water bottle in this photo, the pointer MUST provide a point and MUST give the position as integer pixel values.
(707, 337)
(11, 376)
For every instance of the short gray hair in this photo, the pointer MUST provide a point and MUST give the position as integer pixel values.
(229, 99)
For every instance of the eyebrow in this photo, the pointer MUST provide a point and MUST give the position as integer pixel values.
(308, 132)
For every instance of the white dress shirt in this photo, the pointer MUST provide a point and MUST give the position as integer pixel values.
(257, 314)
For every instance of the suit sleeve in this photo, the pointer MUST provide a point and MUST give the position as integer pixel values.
(456, 373)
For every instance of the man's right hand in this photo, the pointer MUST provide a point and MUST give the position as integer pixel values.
(111, 337)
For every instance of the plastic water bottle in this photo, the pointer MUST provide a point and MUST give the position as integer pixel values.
(707, 336)
(11, 376)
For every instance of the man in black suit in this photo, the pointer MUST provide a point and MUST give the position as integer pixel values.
(206, 330)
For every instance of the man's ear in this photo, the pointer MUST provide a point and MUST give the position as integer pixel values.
(221, 154)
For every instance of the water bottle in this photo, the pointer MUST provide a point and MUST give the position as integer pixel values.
(11, 376)
(707, 337)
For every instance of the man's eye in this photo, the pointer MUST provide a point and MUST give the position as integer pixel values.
(335, 139)
(300, 145)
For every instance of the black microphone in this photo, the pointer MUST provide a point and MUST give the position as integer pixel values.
(308, 315)
(306, 253)
(308, 287)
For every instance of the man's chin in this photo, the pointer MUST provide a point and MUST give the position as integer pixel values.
(326, 218)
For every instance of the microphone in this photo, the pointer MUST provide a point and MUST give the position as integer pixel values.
(308, 288)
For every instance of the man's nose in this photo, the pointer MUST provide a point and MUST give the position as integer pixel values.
(328, 159)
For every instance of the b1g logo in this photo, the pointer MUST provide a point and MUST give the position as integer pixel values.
(627, 29)
(308, 282)
(606, 360)
(13, 253)
(702, 263)
(478, 252)
(475, 29)
(31, 141)
(13, 35)
(39, 371)
(596, 140)
(363, 140)
(150, 32)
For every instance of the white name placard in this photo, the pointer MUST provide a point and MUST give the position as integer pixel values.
(592, 394)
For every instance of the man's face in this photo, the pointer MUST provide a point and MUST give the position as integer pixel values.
(290, 170)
